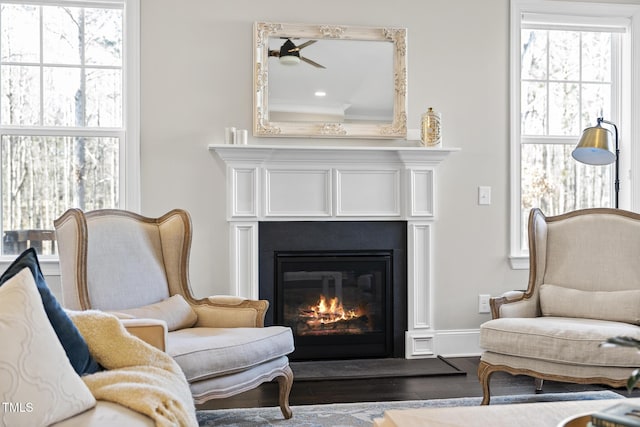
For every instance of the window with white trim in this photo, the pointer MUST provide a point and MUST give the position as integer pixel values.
(65, 128)
(567, 71)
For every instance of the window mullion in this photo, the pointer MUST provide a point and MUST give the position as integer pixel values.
(551, 140)
(41, 66)
(547, 86)
(83, 72)
(102, 4)
(580, 85)
(92, 132)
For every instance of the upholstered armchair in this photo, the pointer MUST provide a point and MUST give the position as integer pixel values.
(584, 287)
(137, 267)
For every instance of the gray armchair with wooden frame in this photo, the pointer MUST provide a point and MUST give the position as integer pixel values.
(137, 267)
(584, 287)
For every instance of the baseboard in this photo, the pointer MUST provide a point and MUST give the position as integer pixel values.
(457, 343)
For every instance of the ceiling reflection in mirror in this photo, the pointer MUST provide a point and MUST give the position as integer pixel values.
(355, 85)
(331, 81)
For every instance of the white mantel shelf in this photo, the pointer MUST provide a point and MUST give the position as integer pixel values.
(337, 183)
(335, 153)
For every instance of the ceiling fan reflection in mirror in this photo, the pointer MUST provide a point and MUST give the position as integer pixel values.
(289, 53)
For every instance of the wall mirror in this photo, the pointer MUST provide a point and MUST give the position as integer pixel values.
(329, 81)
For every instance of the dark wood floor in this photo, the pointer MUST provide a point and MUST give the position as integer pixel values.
(390, 389)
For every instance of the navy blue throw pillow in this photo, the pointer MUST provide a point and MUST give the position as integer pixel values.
(69, 336)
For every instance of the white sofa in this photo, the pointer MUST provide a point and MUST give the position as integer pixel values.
(584, 287)
(107, 414)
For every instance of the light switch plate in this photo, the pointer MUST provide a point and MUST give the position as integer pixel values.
(484, 195)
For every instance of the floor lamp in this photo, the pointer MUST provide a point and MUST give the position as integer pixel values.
(595, 148)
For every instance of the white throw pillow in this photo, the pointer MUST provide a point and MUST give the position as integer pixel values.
(617, 306)
(38, 385)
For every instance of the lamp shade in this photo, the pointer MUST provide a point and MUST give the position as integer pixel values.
(595, 147)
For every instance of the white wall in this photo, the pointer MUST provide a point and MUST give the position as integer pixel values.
(197, 79)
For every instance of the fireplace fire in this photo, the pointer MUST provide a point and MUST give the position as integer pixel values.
(329, 316)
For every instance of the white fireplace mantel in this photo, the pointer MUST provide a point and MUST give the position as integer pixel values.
(314, 153)
(336, 183)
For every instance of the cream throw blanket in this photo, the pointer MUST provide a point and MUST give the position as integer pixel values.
(138, 375)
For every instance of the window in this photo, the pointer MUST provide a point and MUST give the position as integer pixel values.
(568, 69)
(566, 83)
(68, 124)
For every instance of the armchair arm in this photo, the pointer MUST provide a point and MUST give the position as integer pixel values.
(151, 331)
(514, 304)
(222, 311)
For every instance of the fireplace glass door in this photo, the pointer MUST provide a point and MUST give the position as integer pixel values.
(338, 304)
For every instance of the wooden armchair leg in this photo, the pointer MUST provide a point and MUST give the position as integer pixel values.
(285, 381)
(484, 375)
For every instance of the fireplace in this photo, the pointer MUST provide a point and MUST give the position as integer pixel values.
(340, 286)
(287, 183)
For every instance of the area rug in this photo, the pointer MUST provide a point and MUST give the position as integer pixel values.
(372, 368)
(362, 414)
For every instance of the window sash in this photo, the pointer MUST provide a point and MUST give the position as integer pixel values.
(615, 83)
(83, 66)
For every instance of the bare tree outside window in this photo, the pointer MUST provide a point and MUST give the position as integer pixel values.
(61, 117)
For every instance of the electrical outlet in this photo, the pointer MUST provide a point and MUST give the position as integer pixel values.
(483, 303)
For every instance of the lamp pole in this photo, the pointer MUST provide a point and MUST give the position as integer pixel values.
(617, 166)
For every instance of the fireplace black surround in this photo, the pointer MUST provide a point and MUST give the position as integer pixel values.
(369, 256)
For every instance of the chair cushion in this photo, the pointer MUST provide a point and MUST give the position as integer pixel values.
(560, 339)
(618, 306)
(211, 352)
(35, 373)
(175, 310)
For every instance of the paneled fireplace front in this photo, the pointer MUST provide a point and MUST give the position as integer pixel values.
(340, 286)
(340, 184)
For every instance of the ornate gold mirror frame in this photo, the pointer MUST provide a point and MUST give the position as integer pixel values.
(266, 123)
